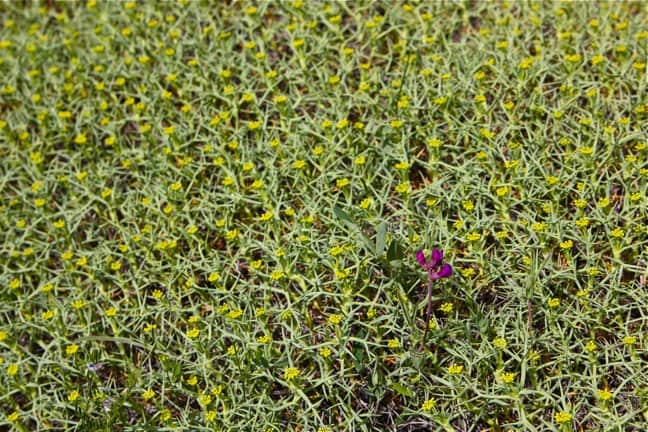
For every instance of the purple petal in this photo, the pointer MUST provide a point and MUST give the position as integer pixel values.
(445, 272)
(437, 258)
(420, 257)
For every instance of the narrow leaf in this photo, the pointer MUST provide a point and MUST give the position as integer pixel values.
(395, 251)
(401, 389)
(381, 237)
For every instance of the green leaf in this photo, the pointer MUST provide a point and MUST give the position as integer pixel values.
(395, 251)
(401, 389)
(344, 217)
(348, 220)
(358, 357)
(381, 236)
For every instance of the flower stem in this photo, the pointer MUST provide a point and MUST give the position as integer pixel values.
(428, 313)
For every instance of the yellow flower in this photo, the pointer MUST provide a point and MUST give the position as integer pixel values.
(393, 343)
(78, 304)
(434, 142)
(336, 250)
(446, 308)
(165, 415)
(264, 339)
(593, 271)
(366, 203)
(13, 417)
(340, 183)
(71, 349)
(335, 319)
(360, 160)
(468, 205)
(629, 340)
(597, 59)
(403, 188)
(148, 394)
(12, 369)
(573, 58)
(500, 343)
(487, 133)
(334, 80)
(342, 124)
(562, 417)
(80, 139)
(455, 369)
(231, 235)
(193, 333)
(506, 377)
(290, 373)
(277, 275)
(266, 216)
(500, 235)
(604, 394)
(428, 405)
(473, 236)
(553, 302)
(74, 395)
(235, 313)
(534, 356)
(567, 244)
(586, 150)
(279, 99)
(15, 283)
(501, 191)
(539, 226)
(204, 399)
(603, 202)
(342, 273)
(617, 233)
(298, 164)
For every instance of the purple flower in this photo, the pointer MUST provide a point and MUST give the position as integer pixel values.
(435, 267)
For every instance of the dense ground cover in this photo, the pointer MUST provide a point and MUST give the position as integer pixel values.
(211, 213)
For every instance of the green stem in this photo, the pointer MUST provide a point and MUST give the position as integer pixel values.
(428, 313)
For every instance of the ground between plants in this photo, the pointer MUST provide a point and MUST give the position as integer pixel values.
(211, 212)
